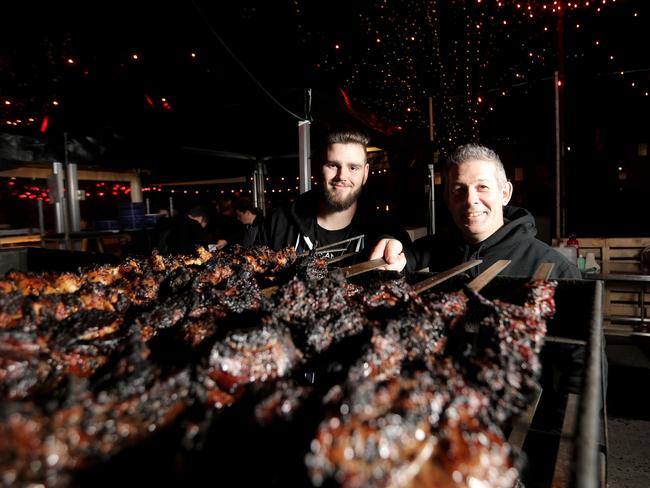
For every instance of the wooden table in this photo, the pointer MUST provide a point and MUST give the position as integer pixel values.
(621, 271)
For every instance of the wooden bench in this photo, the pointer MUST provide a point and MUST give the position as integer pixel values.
(622, 300)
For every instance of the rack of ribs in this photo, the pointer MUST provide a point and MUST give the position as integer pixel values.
(436, 417)
(95, 361)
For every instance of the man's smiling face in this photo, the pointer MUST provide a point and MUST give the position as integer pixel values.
(344, 173)
(476, 198)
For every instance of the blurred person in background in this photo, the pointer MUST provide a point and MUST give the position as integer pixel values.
(224, 227)
(252, 222)
(187, 231)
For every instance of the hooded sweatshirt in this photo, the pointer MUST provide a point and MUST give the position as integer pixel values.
(296, 226)
(563, 364)
(515, 241)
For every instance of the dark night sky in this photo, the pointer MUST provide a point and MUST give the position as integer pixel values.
(488, 69)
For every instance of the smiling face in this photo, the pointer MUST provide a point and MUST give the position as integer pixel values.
(344, 173)
(476, 197)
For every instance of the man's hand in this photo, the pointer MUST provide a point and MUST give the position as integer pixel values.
(393, 253)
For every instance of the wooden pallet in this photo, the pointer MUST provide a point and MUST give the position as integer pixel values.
(621, 301)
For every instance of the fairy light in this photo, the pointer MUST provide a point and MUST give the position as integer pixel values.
(411, 51)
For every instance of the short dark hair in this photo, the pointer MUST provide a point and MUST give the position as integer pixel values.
(198, 211)
(245, 205)
(347, 136)
(468, 152)
(340, 135)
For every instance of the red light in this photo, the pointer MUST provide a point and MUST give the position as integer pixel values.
(44, 123)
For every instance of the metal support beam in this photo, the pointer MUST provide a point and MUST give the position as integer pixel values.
(558, 161)
(57, 198)
(136, 188)
(304, 155)
(258, 187)
(41, 217)
(73, 197)
(431, 227)
(55, 186)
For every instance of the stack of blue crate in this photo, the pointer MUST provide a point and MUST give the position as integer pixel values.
(132, 215)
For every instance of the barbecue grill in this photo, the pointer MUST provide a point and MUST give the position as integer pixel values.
(577, 460)
(232, 449)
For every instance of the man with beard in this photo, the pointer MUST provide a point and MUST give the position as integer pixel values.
(332, 214)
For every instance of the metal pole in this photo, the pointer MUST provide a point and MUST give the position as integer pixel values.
(41, 218)
(64, 196)
(147, 205)
(304, 155)
(431, 119)
(73, 197)
(259, 187)
(431, 228)
(558, 161)
(255, 195)
(57, 188)
(136, 189)
(560, 89)
(171, 206)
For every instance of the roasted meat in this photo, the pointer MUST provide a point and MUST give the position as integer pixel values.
(392, 388)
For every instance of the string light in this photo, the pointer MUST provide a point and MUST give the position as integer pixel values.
(411, 51)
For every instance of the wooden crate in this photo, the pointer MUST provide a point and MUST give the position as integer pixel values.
(621, 301)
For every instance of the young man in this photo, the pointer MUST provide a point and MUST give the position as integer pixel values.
(252, 222)
(333, 212)
(476, 193)
(187, 231)
(225, 229)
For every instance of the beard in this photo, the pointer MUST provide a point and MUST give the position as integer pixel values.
(337, 204)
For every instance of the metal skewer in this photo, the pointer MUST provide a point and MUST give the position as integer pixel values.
(423, 285)
(356, 269)
(486, 276)
(543, 272)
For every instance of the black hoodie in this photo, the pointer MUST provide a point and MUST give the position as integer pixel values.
(563, 364)
(515, 241)
(295, 226)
